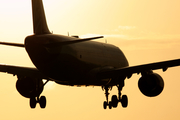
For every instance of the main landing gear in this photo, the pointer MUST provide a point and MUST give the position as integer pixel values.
(41, 100)
(35, 100)
(114, 100)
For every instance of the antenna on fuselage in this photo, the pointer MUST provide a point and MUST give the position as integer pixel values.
(105, 40)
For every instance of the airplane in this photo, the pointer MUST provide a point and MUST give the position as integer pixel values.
(73, 61)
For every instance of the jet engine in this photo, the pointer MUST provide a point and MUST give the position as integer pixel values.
(151, 84)
(29, 87)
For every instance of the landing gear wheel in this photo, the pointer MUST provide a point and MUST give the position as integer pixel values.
(33, 102)
(124, 101)
(105, 104)
(110, 105)
(42, 101)
(114, 101)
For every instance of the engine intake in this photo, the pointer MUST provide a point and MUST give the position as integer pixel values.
(151, 84)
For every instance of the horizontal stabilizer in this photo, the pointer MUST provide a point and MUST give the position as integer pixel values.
(72, 42)
(12, 44)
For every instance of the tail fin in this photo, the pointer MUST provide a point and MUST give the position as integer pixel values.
(39, 20)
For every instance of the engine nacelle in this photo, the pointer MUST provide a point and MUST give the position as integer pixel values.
(151, 84)
(29, 87)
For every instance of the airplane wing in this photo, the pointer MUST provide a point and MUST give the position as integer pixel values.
(128, 71)
(22, 71)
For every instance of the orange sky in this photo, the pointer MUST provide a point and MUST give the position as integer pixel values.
(147, 31)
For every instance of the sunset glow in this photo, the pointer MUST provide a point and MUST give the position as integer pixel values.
(146, 31)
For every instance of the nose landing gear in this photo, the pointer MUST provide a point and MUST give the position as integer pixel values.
(115, 100)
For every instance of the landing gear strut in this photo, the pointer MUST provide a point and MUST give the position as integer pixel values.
(114, 100)
(107, 103)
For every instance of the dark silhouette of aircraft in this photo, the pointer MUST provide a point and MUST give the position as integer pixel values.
(70, 60)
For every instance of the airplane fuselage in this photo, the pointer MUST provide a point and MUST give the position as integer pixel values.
(74, 64)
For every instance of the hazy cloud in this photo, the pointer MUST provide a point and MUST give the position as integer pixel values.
(146, 42)
(126, 27)
(50, 86)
